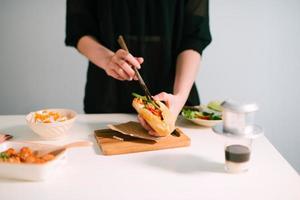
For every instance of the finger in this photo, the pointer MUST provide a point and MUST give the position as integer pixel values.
(132, 61)
(147, 126)
(163, 96)
(144, 123)
(121, 73)
(118, 62)
(140, 59)
(135, 78)
(113, 74)
(116, 76)
(122, 54)
(127, 69)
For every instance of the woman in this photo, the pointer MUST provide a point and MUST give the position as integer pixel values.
(168, 37)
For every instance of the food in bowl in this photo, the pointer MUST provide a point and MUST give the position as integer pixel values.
(205, 115)
(27, 170)
(196, 114)
(61, 120)
(25, 155)
(46, 116)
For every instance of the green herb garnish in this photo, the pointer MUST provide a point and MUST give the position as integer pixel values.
(196, 114)
(144, 98)
(139, 96)
(189, 113)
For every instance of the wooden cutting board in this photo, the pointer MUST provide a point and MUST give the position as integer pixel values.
(112, 142)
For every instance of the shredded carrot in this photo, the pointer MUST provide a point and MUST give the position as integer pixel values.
(48, 117)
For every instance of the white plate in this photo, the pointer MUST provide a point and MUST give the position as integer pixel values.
(256, 132)
(203, 122)
(32, 172)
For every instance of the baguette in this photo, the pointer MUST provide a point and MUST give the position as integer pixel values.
(161, 120)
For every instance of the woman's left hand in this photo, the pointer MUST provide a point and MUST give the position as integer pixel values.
(173, 102)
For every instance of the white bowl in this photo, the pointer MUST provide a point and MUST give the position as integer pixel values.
(28, 171)
(54, 130)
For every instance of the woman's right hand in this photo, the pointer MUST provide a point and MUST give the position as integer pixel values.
(116, 64)
(119, 65)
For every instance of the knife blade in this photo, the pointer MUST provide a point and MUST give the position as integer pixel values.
(123, 45)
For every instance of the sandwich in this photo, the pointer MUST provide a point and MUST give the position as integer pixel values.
(156, 114)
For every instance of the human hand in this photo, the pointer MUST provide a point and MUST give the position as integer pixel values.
(119, 65)
(173, 102)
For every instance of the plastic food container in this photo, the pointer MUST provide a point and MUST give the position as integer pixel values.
(26, 171)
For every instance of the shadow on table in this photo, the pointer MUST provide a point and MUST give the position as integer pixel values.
(184, 163)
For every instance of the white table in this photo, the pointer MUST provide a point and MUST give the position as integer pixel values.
(195, 172)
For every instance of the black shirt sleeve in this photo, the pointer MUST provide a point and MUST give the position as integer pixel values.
(196, 33)
(81, 20)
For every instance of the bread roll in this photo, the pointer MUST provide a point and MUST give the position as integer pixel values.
(163, 124)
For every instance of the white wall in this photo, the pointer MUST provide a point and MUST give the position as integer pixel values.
(254, 56)
(36, 69)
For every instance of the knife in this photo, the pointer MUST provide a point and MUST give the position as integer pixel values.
(123, 45)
